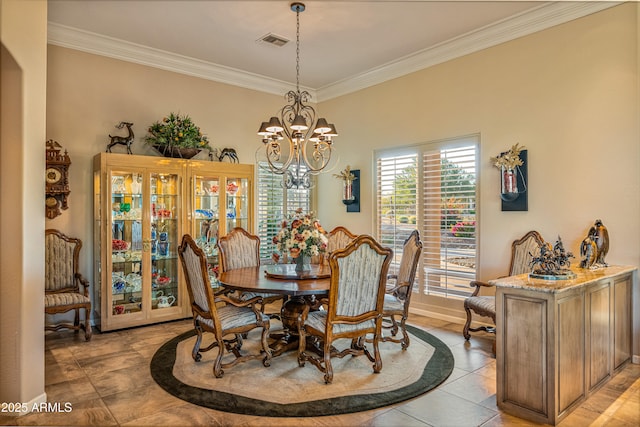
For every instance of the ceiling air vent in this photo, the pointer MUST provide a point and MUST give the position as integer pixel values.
(273, 39)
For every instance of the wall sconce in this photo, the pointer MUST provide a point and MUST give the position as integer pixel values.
(513, 167)
(350, 188)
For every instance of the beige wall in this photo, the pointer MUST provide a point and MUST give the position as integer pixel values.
(23, 33)
(87, 95)
(569, 94)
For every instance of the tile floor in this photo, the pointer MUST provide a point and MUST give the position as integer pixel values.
(107, 381)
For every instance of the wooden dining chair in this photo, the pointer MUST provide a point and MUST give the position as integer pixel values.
(353, 308)
(485, 305)
(398, 297)
(226, 323)
(239, 249)
(65, 287)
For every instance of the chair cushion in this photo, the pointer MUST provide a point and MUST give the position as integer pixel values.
(234, 317)
(318, 320)
(391, 303)
(483, 305)
(64, 298)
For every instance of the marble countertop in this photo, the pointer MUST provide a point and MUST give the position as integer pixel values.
(583, 277)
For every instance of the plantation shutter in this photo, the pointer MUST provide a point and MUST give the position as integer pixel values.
(449, 216)
(397, 202)
(431, 188)
(274, 203)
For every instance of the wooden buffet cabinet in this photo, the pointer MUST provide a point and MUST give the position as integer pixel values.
(142, 207)
(559, 341)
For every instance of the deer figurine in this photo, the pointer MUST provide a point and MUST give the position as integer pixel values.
(122, 140)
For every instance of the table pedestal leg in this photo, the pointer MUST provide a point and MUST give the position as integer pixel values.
(287, 339)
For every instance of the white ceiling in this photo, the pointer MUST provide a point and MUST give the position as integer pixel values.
(344, 45)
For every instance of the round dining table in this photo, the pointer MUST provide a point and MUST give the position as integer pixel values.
(301, 288)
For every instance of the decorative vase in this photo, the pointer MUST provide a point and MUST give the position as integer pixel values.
(303, 263)
(163, 248)
(347, 192)
(509, 187)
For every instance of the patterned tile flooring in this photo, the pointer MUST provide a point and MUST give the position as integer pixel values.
(108, 383)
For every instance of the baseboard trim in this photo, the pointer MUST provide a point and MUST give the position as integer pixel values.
(25, 408)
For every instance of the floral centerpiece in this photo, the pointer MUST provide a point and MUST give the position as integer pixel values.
(301, 237)
(177, 136)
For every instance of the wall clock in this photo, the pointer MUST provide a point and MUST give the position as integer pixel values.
(56, 179)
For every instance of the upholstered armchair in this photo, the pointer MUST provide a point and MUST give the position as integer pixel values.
(226, 323)
(239, 249)
(353, 308)
(398, 297)
(485, 305)
(65, 288)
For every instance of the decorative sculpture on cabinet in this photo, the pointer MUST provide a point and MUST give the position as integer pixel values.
(122, 140)
(595, 246)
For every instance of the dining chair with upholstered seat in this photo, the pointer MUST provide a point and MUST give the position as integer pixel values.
(226, 323)
(398, 297)
(65, 288)
(353, 308)
(485, 305)
(239, 249)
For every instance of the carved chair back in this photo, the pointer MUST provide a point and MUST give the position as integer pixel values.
(238, 249)
(194, 265)
(522, 250)
(411, 251)
(61, 262)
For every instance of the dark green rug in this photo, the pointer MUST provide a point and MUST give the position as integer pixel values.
(436, 369)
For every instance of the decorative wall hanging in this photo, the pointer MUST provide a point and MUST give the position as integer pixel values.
(57, 179)
(177, 136)
(513, 178)
(122, 140)
(595, 246)
(350, 188)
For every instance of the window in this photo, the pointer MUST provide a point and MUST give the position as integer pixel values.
(274, 203)
(431, 187)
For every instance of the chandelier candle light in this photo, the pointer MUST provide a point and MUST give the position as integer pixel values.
(296, 122)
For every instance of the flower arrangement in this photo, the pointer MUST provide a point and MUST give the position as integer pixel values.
(301, 234)
(510, 159)
(177, 130)
(345, 175)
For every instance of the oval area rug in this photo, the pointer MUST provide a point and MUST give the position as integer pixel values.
(286, 390)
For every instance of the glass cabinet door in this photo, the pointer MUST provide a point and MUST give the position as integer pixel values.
(206, 208)
(237, 203)
(126, 242)
(165, 214)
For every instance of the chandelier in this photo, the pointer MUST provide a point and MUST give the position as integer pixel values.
(296, 122)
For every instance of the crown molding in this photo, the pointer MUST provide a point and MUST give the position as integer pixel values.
(541, 18)
(98, 44)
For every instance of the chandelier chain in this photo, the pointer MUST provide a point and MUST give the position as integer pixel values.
(298, 49)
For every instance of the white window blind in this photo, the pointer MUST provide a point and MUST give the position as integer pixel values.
(274, 203)
(397, 202)
(431, 188)
(449, 215)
